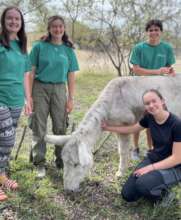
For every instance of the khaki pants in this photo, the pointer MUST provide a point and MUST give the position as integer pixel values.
(48, 99)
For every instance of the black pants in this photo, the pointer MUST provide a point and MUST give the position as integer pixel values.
(153, 185)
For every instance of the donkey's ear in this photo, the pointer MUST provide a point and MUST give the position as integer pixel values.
(57, 139)
(85, 157)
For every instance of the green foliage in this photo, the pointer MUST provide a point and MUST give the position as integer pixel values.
(84, 35)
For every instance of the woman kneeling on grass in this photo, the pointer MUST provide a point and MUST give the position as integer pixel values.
(162, 166)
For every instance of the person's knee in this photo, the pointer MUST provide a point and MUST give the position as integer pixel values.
(128, 194)
(142, 187)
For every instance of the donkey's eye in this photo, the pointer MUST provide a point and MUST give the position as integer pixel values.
(76, 164)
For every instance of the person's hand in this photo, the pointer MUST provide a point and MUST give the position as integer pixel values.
(172, 71)
(29, 106)
(104, 125)
(164, 70)
(144, 170)
(69, 105)
(167, 70)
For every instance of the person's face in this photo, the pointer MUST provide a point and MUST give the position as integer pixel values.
(153, 104)
(57, 29)
(13, 21)
(154, 33)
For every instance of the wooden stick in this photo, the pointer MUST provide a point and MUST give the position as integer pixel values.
(102, 143)
(21, 141)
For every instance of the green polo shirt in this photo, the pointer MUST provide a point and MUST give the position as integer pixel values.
(13, 65)
(152, 56)
(53, 62)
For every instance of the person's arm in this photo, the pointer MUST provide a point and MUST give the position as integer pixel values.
(171, 60)
(28, 83)
(31, 78)
(71, 90)
(122, 129)
(163, 70)
(169, 162)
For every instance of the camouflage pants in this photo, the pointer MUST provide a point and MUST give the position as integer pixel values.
(48, 99)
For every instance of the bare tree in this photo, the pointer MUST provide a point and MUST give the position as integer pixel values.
(74, 9)
(6, 3)
(110, 38)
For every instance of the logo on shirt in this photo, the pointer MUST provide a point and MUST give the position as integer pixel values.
(161, 55)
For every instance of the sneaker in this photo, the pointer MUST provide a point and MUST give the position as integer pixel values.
(41, 172)
(135, 154)
(146, 152)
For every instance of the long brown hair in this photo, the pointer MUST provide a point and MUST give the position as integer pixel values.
(4, 35)
(65, 37)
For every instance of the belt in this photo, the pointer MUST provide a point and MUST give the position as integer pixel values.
(49, 82)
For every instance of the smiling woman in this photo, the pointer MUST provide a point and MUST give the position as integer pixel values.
(13, 21)
(162, 166)
(57, 30)
(54, 63)
(14, 76)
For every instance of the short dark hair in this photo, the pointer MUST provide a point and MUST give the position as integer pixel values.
(154, 22)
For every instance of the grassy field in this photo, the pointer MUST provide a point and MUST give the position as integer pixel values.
(100, 198)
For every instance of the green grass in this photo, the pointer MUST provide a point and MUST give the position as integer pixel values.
(100, 198)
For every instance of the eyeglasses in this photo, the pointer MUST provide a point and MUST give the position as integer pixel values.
(156, 30)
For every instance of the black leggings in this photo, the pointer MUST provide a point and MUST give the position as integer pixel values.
(152, 185)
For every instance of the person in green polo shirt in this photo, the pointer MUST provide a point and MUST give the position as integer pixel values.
(151, 57)
(53, 65)
(14, 67)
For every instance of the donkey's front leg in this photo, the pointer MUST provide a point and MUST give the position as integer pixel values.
(124, 153)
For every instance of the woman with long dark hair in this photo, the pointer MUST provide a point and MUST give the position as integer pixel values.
(161, 168)
(53, 65)
(14, 77)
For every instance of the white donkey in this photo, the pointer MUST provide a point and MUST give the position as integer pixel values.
(121, 104)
